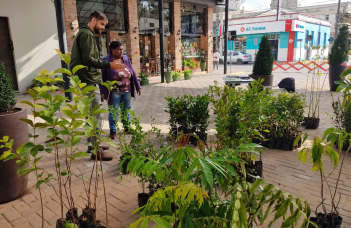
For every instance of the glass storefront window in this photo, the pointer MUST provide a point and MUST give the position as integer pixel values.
(193, 19)
(190, 46)
(148, 16)
(114, 11)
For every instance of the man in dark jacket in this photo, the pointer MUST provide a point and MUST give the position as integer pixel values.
(85, 52)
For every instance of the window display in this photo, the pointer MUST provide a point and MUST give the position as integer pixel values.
(190, 46)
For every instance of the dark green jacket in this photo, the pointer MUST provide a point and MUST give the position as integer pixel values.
(85, 52)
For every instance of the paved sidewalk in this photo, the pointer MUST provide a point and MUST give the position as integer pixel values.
(280, 167)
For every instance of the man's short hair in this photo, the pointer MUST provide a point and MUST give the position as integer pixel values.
(98, 16)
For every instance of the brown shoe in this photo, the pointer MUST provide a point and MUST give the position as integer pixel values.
(104, 156)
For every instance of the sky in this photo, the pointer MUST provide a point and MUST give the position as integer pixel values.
(257, 5)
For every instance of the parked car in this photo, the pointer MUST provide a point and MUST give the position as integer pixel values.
(237, 57)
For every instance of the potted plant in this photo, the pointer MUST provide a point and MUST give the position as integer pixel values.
(203, 59)
(143, 78)
(168, 69)
(12, 186)
(263, 65)
(337, 56)
(187, 74)
(176, 75)
(320, 148)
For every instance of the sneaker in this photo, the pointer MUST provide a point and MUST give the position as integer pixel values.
(113, 135)
(104, 156)
(90, 150)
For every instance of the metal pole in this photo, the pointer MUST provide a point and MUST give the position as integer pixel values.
(337, 21)
(162, 58)
(226, 35)
(61, 33)
(278, 9)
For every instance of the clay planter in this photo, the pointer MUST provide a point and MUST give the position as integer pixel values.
(187, 76)
(168, 76)
(12, 186)
(203, 66)
(142, 199)
(334, 75)
(312, 123)
(268, 79)
(144, 82)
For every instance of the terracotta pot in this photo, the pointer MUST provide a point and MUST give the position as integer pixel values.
(268, 79)
(12, 186)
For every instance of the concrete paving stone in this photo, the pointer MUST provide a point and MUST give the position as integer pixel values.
(300, 176)
(11, 215)
(5, 224)
(24, 220)
(35, 223)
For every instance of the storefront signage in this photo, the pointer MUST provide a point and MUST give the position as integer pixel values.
(255, 28)
(297, 26)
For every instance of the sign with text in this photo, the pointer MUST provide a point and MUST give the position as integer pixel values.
(297, 26)
(267, 27)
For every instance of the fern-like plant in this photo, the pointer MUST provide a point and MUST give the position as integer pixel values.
(340, 48)
(264, 59)
(7, 94)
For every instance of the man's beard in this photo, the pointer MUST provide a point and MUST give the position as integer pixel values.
(97, 31)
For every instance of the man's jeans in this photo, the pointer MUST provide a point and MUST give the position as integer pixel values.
(118, 98)
(97, 101)
(215, 63)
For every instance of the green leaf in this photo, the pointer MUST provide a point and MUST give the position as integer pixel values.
(63, 71)
(161, 222)
(76, 68)
(75, 140)
(11, 156)
(39, 182)
(28, 103)
(28, 121)
(207, 171)
(87, 89)
(80, 154)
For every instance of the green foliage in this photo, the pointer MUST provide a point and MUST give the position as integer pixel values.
(188, 72)
(189, 113)
(189, 197)
(203, 56)
(324, 148)
(264, 58)
(193, 63)
(254, 112)
(7, 94)
(143, 76)
(340, 48)
(176, 74)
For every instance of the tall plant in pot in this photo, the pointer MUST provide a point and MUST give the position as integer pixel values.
(187, 74)
(263, 65)
(143, 78)
(12, 186)
(337, 56)
(168, 69)
(203, 59)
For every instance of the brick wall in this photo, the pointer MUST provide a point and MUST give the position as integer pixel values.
(206, 42)
(175, 39)
(111, 36)
(70, 14)
(155, 44)
(132, 39)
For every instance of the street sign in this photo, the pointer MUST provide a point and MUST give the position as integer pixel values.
(255, 41)
(299, 40)
(331, 39)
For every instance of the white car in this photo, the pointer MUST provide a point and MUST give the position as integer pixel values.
(237, 57)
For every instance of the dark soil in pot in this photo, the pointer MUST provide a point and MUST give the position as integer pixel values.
(315, 220)
(250, 178)
(259, 168)
(337, 220)
(278, 143)
(125, 164)
(286, 144)
(270, 143)
(312, 123)
(142, 199)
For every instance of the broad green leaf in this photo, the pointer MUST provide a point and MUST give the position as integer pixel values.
(207, 171)
(76, 68)
(63, 71)
(80, 154)
(28, 121)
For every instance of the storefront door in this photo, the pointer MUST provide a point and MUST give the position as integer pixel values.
(274, 44)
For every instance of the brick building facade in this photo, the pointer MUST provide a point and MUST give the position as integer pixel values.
(131, 38)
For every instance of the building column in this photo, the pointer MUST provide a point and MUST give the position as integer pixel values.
(174, 39)
(206, 42)
(70, 12)
(132, 39)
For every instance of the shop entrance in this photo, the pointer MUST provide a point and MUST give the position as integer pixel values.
(274, 44)
(6, 51)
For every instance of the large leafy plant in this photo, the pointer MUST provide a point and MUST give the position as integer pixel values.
(340, 48)
(66, 124)
(190, 198)
(264, 58)
(7, 94)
